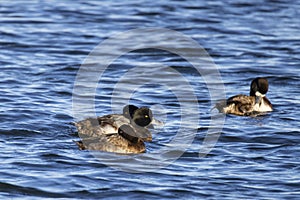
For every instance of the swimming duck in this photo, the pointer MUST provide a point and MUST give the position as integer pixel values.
(132, 115)
(125, 141)
(105, 133)
(257, 102)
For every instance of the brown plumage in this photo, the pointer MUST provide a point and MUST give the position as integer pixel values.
(119, 133)
(123, 142)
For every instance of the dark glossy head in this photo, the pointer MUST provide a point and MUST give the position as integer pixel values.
(140, 116)
(129, 110)
(260, 85)
(143, 116)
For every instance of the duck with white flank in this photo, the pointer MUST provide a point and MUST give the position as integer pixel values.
(119, 133)
(245, 105)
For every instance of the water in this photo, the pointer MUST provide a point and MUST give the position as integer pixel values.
(43, 45)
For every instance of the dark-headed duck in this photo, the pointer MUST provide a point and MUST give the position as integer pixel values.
(241, 104)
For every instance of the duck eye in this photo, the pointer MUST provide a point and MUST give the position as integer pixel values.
(146, 116)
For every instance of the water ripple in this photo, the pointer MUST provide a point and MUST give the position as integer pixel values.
(42, 46)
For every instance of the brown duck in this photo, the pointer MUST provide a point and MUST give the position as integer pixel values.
(119, 133)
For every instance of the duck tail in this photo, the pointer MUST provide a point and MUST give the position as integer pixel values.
(219, 105)
(80, 145)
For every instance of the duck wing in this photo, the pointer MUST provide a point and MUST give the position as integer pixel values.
(89, 127)
(240, 105)
(93, 127)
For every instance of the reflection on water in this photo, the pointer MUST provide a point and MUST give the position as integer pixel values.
(43, 46)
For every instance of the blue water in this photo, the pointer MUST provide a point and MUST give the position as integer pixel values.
(43, 45)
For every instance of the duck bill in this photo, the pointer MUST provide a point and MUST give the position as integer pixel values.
(155, 123)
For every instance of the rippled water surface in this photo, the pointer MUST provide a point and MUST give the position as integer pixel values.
(44, 43)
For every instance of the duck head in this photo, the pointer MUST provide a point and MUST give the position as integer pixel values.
(143, 116)
(128, 133)
(129, 110)
(140, 116)
(134, 136)
(259, 87)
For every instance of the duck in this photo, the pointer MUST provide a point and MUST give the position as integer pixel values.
(110, 134)
(125, 141)
(244, 105)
